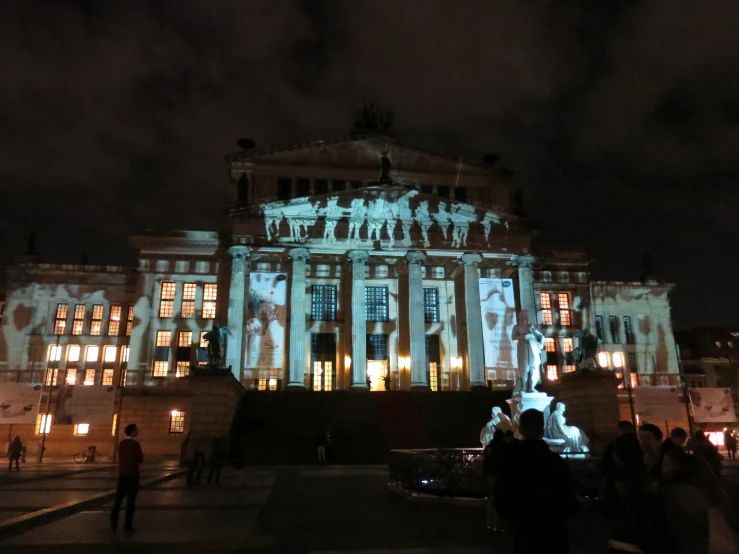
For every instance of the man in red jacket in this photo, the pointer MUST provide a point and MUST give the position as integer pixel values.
(129, 458)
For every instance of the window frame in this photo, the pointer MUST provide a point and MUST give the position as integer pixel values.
(209, 304)
(323, 302)
(96, 320)
(374, 311)
(431, 305)
(545, 301)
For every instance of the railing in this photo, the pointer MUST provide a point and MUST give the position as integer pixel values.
(439, 471)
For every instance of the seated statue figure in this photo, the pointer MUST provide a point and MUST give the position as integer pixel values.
(556, 428)
(498, 420)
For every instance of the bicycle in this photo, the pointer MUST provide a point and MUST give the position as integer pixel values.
(87, 456)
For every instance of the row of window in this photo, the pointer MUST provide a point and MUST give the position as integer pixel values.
(290, 188)
(323, 303)
(176, 424)
(563, 305)
(183, 352)
(84, 367)
(96, 320)
(615, 329)
(168, 290)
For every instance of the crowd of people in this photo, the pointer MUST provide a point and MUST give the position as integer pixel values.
(656, 495)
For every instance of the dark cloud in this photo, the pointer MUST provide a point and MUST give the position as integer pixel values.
(620, 118)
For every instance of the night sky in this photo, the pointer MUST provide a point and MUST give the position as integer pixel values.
(621, 119)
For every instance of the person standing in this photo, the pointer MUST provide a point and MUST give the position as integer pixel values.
(130, 457)
(321, 441)
(731, 446)
(14, 454)
(532, 476)
(217, 459)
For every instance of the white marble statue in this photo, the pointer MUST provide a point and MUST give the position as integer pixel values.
(461, 222)
(530, 345)
(556, 428)
(487, 223)
(406, 216)
(424, 220)
(357, 216)
(443, 218)
(375, 218)
(498, 420)
(333, 213)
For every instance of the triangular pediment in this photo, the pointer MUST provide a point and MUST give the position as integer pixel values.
(359, 152)
(387, 214)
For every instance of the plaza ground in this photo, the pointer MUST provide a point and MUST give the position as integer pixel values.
(298, 509)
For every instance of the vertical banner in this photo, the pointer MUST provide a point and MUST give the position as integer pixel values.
(658, 403)
(265, 322)
(713, 405)
(498, 310)
(19, 402)
(84, 404)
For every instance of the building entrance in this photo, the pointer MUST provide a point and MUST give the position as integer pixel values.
(377, 361)
(323, 362)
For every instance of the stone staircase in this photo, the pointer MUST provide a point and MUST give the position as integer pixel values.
(281, 427)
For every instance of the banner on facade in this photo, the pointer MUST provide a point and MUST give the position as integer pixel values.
(84, 404)
(714, 405)
(265, 320)
(658, 403)
(498, 311)
(19, 402)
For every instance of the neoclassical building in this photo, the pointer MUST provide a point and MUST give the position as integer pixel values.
(359, 263)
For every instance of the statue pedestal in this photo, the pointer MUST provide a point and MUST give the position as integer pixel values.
(527, 400)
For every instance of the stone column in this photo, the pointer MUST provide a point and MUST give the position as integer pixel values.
(234, 346)
(526, 286)
(359, 320)
(475, 345)
(297, 318)
(416, 321)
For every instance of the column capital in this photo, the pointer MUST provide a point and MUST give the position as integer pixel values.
(239, 250)
(471, 259)
(299, 254)
(415, 257)
(358, 256)
(526, 262)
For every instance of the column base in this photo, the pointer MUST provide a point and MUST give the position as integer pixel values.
(296, 387)
(479, 388)
(420, 388)
(359, 388)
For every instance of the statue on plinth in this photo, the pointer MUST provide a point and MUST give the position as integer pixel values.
(530, 345)
(216, 339)
(498, 420)
(575, 441)
(586, 351)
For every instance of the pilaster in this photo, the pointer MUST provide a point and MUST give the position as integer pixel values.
(417, 325)
(475, 345)
(358, 258)
(234, 346)
(297, 318)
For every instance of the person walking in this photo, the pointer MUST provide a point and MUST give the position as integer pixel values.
(15, 450)
(730, 442)
(321, 443)
(217, 459)
(130, 457)
(493, 457)
(535, 477)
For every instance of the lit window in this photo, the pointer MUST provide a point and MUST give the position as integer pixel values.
(109, 354)
(184, 339)
(81, 429)
(126, 353)
(92, 354)
(96, 324)
(549, 345)
(433, 376)
(565, 318)
(323, 302)
(43, 424)
(203, 342)
(376, 303)
(431, 305)
(55, 353)
(79, 319)
(114, 322)
(71, 376)
(564, 301)
(166, 301)
(73, 353)
(188, 301)
(272, 384)
(176, 422)
(210, 295)
(262, 384)
(604, 359)
(89, 377)
(108, 377)
(160, 369)
(115, 425)
(618, 360)
(183, 369)
(569, 368)
(634, 379)
(568, 345)
(546, 308)
(129, 321)
(60, 319)
(164, 338)
(552, 372)
(52, 375)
